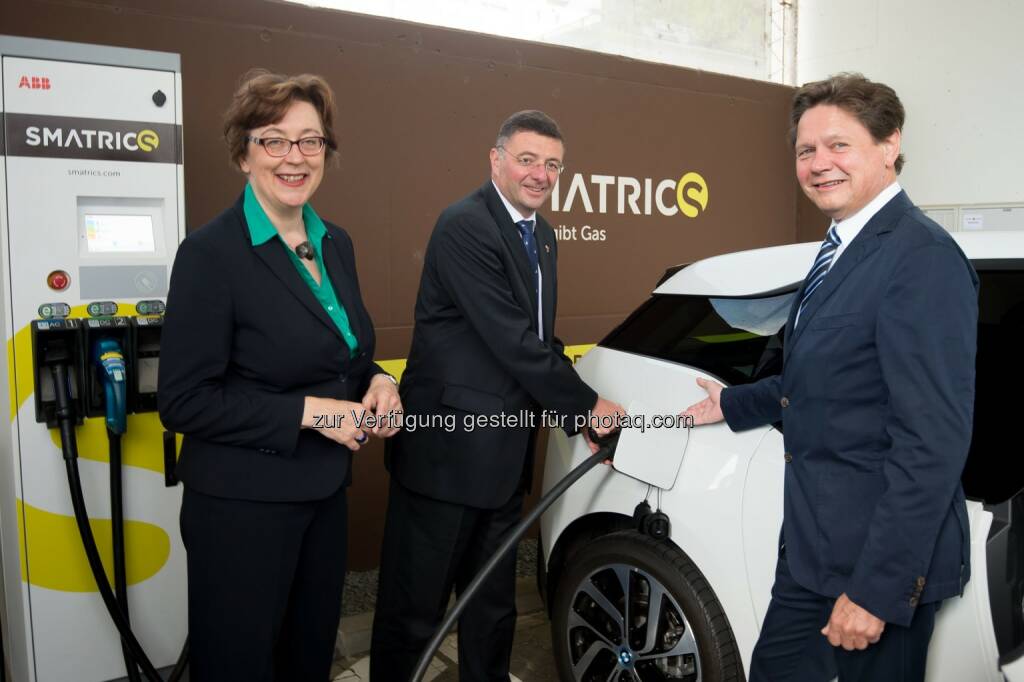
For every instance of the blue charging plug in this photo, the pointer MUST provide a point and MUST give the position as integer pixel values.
(110, 360)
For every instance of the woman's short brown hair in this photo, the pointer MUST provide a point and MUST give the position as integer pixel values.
(263, 98)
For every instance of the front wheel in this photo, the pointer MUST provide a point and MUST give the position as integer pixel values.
(631, 608)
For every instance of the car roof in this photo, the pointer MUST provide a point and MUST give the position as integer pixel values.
(780, 268)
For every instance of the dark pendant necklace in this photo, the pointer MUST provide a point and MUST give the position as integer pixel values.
(304, 250)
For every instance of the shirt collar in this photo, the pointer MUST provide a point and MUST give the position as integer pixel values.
(849, 228)
(516, 215)
(261, 230)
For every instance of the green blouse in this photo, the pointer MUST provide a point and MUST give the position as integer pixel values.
(261, 230)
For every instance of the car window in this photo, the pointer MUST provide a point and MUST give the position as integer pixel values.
(990, 474)
(736, 339)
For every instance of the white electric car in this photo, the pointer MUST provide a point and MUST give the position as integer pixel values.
(627, 606)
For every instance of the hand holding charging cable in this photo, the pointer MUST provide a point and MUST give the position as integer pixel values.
(343, 421)
(596, 441)
(603, 421)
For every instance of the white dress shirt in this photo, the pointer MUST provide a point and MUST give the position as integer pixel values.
(851, 227)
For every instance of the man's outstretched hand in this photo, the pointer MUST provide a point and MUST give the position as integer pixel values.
(709, 410)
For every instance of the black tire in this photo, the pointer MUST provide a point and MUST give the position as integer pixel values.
(692, 640)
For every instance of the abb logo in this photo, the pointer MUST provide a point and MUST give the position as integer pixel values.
(34, 83)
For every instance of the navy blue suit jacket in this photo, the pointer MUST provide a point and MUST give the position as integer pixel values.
(876, 400)
(476, 354)
(244, 341)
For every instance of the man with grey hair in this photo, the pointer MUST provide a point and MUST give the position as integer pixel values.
(483, 352)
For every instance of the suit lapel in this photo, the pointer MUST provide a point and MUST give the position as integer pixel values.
(859, 250)
(787, 342)
(272, 253)
(861, 247)
(510, 235)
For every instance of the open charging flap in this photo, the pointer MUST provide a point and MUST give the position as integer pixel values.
(652, 455)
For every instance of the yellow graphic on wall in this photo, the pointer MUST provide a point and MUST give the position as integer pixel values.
(692, 186)
(57, 559)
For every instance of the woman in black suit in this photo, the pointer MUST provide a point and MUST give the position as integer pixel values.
(267, 369)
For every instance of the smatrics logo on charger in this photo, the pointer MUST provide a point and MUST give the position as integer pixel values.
(84, 138)
(94, 139)
(686, 196)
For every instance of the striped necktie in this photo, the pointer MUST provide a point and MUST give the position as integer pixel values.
(821, 266)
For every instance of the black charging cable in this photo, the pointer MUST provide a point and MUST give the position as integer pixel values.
(110, 364)
(69, 447)
(605, 453)
(117, 531)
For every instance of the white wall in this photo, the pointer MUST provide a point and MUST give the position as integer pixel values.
(736, 37)
(959, 69)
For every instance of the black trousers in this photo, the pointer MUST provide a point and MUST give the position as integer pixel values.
(429, 547)
(791, 647)
(264, 587)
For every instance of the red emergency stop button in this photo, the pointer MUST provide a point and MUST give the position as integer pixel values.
(58, 280)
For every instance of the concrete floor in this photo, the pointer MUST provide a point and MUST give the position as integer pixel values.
(532, 660)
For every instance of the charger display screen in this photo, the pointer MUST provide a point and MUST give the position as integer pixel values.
(119, 233)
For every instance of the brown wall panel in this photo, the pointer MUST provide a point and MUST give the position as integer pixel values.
(418, 110)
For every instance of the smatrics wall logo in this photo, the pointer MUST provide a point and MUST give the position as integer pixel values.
(687, 196)
(88, 138)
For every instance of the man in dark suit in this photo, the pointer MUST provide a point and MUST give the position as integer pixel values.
(484, 349)
(876, 402)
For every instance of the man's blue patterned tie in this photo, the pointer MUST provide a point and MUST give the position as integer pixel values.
(820, 268)
(530, 244)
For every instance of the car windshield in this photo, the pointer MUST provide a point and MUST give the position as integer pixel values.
(736, 339)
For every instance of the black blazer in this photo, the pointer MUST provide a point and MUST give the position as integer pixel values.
(476, 353)
(244, 341)
(876, 398)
